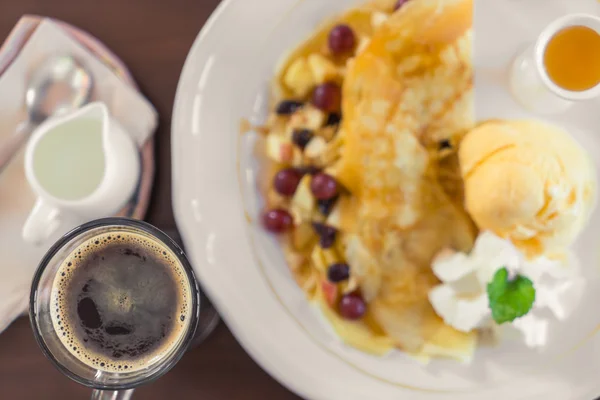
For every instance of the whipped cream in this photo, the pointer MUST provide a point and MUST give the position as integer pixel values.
(461, 299)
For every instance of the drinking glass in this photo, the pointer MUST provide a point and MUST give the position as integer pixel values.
(106, 384)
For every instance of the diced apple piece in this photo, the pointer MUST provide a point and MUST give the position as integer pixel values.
(315, 118)
(377, 19)
(328, 132)
(340, 245)
(318, 259)
(309, 117)
(350, 285)
(298, 215)
(274, 143)
(322, 69)
(303, 235)
(296, 157)
(363, 42)
(316, 147)
(275, 200)
(286, 152)
(334, 218)
(334, 169)
(303, 198)
(330, 293)
(295, 260)
(276, 123)
(331, 256)
(331, 153)
(309, 282)
(299, 78)
(279, 149)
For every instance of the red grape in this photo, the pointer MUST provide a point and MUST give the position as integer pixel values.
(341, 39)
(399, 4)
(286, 181)
(327, 97)
(278, 220)
(323, 186)
(352, 306)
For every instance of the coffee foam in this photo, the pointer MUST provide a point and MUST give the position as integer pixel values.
(64, 303)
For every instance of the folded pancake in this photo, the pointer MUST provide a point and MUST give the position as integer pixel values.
(407, 97)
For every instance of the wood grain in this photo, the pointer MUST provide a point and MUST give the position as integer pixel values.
(152, 37)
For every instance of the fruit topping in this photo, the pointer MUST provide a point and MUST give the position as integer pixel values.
(444, 144)
(299, 78)
(326, 234)
(277, 221)
(327, 97)
(288, 107)
(301, 137)
(342, 39)
(309, 170)
(323, 186)
(333, 119)
(325, 206)
(286, 181)
(399, 4)
(338, 272)
(322, 69)
(330, 292)
(352, 306)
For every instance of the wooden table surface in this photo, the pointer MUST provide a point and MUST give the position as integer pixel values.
(152, 37)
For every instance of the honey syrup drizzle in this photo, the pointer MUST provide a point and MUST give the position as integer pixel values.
(572, 58)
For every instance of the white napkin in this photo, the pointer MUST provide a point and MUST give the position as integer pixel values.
(19, 260)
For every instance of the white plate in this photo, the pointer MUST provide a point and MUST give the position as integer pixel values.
(217, 206)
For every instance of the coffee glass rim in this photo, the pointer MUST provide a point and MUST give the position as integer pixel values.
(116, 222)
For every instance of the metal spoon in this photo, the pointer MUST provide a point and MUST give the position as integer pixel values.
(60, 84)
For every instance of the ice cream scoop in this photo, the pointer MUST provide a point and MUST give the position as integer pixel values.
(529, 182)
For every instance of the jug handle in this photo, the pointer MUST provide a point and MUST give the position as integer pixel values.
(42, 222)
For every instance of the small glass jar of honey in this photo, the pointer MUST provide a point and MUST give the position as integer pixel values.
(561, 67)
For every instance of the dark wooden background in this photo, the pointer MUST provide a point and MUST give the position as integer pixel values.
(152, 37)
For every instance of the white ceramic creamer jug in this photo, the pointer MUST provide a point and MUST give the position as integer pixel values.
(81, 166)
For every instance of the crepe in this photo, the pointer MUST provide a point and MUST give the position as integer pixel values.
(406, 96)
(406, 104)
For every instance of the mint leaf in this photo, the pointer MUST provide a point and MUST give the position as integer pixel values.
(509, 299)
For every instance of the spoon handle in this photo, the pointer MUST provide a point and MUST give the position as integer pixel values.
(11, 146)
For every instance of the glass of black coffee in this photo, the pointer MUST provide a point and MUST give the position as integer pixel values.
(114, 305)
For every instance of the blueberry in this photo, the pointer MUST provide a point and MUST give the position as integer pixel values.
(325, 206)
(334, 119)
(301, 137)
(338, 272)
(309, 169)
(444, 144)
(287, 107)
(326, 234)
